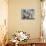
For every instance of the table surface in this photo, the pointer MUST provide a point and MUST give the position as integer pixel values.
(33, 41)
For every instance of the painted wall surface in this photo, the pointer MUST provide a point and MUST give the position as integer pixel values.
(16, 23)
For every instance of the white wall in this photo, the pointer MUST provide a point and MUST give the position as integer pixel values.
(33, 27)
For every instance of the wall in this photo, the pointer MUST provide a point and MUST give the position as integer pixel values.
(15, 21)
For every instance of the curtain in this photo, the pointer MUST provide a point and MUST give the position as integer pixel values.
(3, 19)
(44, 21)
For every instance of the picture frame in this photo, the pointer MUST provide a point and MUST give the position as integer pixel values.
(27, 13)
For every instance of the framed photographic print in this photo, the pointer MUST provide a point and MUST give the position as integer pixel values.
(27, 13)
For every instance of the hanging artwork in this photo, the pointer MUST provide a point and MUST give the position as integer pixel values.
(27, 13)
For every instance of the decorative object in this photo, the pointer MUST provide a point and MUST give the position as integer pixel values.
(23, 36)
(20, 36)
(27, 13)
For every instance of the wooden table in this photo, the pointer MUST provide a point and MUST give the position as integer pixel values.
(10, 44)
(35, 42)
(32, 42)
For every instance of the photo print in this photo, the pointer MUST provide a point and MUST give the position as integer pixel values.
(27, 13)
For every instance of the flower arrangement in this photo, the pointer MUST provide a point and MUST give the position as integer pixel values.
(21, 36)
